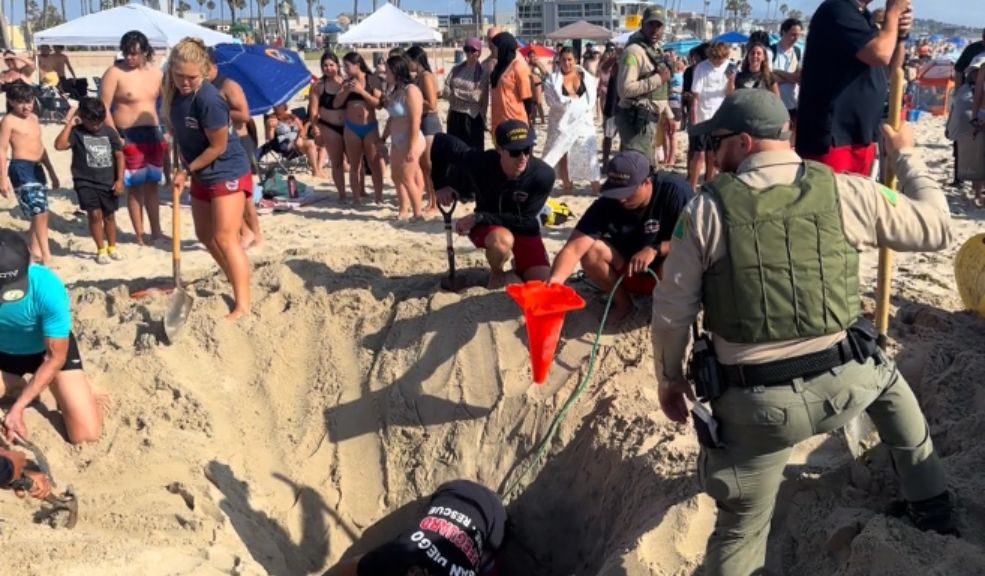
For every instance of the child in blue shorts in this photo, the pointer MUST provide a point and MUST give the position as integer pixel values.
(20, 134)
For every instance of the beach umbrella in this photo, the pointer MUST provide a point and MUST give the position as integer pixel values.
(540, 51)
(581, 30)
(239, 28)
(957, 41)
(269, 76)
(682, 46)
(331, 29)
(733, 38)
(936, 38)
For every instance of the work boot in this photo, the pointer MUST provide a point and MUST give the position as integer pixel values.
(936, 513)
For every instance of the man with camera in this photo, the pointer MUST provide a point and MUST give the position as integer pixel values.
(643, 87)
(770, 251)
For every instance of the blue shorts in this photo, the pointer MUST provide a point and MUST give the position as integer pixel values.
(29, 184)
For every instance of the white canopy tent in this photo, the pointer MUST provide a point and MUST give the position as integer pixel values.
(105, 29)
(390, 25)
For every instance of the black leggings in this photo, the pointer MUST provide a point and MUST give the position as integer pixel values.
(470, 130)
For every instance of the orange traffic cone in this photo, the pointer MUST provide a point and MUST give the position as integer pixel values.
(544, 307)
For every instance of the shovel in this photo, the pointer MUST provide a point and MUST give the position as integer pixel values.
(180, 303)
(451, 282)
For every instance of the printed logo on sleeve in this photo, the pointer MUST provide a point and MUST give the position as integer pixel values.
(651, 226)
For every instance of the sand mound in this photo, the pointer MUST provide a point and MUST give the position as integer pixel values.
(270, 446)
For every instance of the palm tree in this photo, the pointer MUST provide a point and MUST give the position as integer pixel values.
(232, 10)
(355, 12)
(311, 23)
(201, 4)
(477, 14)
(262, 28)
(783, 10)
(210, 6)
(796, 14)
(183, 7)
(768, 2)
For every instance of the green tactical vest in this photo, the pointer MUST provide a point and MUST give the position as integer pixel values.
(790, 272)
(656, 57)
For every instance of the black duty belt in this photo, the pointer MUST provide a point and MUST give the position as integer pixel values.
(782, 372)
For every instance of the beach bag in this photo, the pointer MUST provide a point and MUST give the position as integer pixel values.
(274, 185)
(555, 213)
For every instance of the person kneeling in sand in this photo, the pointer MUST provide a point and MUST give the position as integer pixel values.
(625, 232)
(510, 190)
(461, 531)
(36, 338)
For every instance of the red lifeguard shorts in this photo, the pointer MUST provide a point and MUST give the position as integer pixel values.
(528, 251)
(206, 192)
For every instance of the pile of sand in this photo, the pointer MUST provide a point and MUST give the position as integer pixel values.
(312, 428)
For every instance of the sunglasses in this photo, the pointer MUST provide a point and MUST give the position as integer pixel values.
(470, 50)
(716, 140)
(521, 152)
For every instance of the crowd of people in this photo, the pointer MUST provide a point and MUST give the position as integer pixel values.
(763, 234)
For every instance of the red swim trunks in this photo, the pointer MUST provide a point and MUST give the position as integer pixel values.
(850, 159)
(143, 153)
(206, 192)
(528, 251)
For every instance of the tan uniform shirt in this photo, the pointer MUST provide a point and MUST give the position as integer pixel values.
(637, 78)
(872, 215)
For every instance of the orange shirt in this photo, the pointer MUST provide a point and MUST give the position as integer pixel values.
(510, 92)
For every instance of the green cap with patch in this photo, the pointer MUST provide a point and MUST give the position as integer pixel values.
(654, 14)
(758, 113)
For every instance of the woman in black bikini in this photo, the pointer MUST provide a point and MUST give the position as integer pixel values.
(329, 129)
(361, 95)
(430, 123)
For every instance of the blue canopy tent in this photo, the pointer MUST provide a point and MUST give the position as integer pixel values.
(936, 38)
(331, 29)
(957, 41)
(733, 38)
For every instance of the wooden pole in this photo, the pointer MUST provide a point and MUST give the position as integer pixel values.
(884, 286)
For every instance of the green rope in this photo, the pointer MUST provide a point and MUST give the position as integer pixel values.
(545, 442)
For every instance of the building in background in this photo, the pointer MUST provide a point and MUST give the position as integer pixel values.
(538, 18)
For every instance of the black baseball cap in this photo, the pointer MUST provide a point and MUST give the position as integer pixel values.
(14, 262)
(514, 135)
(624, 174)
(758, 113)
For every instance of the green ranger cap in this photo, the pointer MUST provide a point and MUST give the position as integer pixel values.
(654, 13)
(758, 113)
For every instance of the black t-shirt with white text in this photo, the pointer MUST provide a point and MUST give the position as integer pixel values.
(93, 158)
(461, 529)
(629, 231)
(841, 97)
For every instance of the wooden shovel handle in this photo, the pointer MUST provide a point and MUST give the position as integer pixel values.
(884, 286)
(176, 231)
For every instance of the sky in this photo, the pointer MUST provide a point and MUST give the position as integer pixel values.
(965, 12)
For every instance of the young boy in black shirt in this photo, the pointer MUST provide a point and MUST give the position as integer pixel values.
(97, 171)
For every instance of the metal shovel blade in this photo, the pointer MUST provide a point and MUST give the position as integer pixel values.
(857, 432)
(179, 306)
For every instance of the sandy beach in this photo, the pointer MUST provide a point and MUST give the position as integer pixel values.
(305, 432)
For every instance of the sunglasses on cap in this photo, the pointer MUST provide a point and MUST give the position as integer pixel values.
(521, 152)
(715, 140)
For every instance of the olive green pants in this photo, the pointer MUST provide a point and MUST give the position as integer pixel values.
(637, 131)
(760, 425)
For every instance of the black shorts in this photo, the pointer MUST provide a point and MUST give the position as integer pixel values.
(97, 198)
(21, 364)
(793, 114)
(698, 144)
(678, 115)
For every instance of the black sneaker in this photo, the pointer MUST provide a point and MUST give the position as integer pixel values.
(936, 513)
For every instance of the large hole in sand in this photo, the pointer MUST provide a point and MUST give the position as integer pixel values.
(314, 428)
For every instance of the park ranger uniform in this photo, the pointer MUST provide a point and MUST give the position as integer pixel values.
(643, 95)
(771, 253)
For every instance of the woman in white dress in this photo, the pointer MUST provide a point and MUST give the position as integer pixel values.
(572, 144)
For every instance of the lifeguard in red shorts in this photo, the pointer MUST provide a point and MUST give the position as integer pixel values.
(510, 188)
